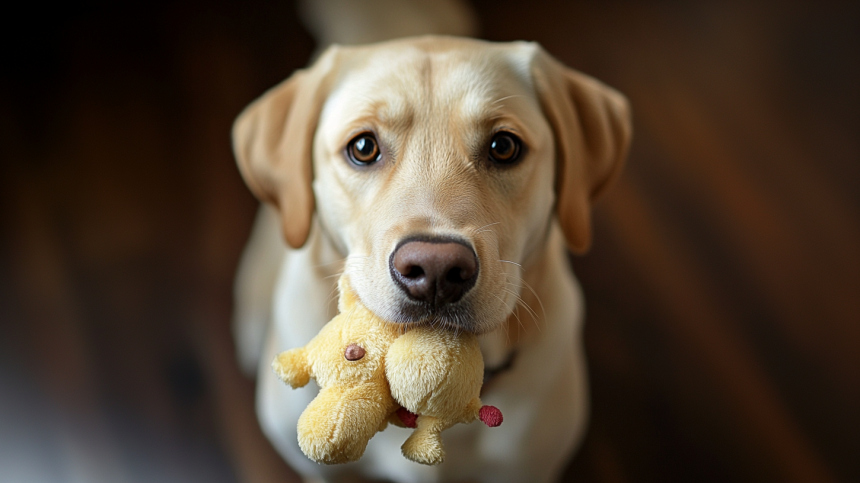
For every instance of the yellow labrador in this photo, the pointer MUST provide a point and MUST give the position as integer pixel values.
(447, 177)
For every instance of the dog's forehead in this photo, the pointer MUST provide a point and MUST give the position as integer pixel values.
(465, 79)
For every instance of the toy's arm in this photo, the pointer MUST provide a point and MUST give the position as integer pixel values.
(292, 367)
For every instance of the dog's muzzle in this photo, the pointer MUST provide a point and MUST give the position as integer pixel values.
(433, 272)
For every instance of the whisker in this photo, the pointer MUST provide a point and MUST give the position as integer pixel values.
(485, 228)
(508, 331)
(334, 294)
(514, 313)
(505, 98)
(488, 224)
(334, 275)
(339, 260)
(512, 263)
(542, 309)
(521, 302)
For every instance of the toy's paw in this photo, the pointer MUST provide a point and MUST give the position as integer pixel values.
(427, 451)
(337, 424)
(291, 367)
(424, 445)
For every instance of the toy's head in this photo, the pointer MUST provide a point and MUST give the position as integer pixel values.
(347, 361)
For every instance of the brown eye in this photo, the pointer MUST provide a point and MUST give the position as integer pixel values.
(505, 148)
(363, 150)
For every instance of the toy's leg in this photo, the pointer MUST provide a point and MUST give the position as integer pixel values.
(292, 367)
(336, 425)
(424, 445)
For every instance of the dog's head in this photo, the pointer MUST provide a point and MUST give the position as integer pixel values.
(436, 166)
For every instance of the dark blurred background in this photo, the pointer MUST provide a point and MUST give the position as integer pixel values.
(723, 290)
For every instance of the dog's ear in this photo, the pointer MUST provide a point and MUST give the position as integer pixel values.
(592, 130)
(273, 143)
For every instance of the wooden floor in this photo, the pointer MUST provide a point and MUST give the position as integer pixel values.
(723, 290)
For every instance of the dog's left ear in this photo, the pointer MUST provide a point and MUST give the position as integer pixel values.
(273, 143)
(592, 130)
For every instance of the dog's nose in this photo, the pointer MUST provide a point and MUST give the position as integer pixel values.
(438, 272)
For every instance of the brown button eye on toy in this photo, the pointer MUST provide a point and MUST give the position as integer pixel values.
(354, 352)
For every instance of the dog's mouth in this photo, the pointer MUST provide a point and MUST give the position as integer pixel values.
(449, 316)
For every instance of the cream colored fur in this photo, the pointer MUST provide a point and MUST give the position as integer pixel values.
(434, 102)
(354, 401)
(436, 374)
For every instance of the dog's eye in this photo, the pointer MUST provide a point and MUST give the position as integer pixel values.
(505, 148)
(363, 150)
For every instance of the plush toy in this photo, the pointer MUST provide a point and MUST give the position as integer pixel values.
(371, 372)
(347, 360)
(437, 375)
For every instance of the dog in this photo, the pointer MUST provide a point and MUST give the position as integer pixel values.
(447, 177)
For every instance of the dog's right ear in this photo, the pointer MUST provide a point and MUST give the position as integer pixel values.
(273, 143)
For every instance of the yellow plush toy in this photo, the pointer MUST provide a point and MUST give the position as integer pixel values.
(370, 372)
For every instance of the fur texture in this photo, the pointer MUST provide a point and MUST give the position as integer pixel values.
(367, 369)
(433, 103)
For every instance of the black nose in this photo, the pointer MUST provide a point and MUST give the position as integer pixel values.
(436, 271)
